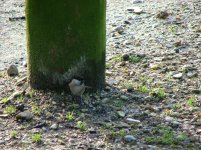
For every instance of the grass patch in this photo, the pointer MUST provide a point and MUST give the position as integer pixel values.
(81, 125)
(128, 84)
(143, 88)
(108, 65)
(20, 98)
(191, 101)
(118, 103)
(36, 137)
(173, 29)
(159, 94)
(70, 116)
(10, 110)
(31, 93)
(135, 59)
(36, 109)
(116, 58)
(13, 134)
(4, 100)
(165, 136)
(144, 78)
(117, 134)
(177, 106)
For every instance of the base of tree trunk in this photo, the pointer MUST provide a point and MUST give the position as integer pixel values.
(66, 39)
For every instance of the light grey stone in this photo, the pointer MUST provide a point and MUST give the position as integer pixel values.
(26, 115)
(12, 70)
(130, 138)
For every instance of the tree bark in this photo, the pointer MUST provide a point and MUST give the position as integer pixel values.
(65, 40)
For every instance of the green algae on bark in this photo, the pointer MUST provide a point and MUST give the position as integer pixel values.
(65, 40)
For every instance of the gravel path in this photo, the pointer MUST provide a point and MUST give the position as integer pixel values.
(12, 33)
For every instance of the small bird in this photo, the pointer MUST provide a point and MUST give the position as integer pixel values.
(77, 88)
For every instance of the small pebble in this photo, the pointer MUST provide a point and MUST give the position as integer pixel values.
(25, 115)
(125, 57)
(130, 120)
(130, 138)
(178, 76)
(121, 113)
(138, 1)
(177, 43)
(20, 107)
(44, 129)
(162, 15)
(54, 126)
(12, 70)
(177, 50)
(130, 89)
(119, 29)
(123, 97)
(105, 100)
(196, 91)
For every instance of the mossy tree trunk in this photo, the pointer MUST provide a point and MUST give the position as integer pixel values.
(65, 40)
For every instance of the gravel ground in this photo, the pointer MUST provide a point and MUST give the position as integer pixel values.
(12, 39)
(153, 95)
